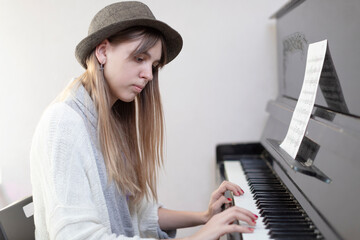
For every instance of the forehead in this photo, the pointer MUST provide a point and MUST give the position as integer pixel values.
(141, 46)
(155, 51)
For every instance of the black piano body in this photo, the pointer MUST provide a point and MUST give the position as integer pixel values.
(325, 176)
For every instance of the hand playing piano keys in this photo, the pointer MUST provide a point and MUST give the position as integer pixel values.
(220, 223)
(218, 198)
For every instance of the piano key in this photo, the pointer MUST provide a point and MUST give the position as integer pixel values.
(293, 234)
(284, 218)
(266, 197)
(271, 212)
(288, 225)
(246, 200)
(277, 206)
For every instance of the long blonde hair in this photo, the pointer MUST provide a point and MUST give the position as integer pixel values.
(130, 133)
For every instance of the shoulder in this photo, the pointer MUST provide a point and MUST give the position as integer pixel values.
(61, 136)
(60, 126)
(60, 112)
(60, 118)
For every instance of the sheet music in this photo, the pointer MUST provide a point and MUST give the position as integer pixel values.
(299, 121)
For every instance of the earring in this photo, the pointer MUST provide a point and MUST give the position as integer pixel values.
(101, 67)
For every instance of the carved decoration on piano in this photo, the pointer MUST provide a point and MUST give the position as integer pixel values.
(294, 43)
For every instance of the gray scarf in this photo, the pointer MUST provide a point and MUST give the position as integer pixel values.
(116, 202)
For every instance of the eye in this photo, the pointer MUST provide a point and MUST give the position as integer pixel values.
(139, 59)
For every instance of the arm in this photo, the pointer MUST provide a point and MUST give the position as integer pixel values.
(217, 223)
(216, 227)
(222, 224)
(171, 220)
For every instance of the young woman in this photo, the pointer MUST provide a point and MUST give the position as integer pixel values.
(97, 148)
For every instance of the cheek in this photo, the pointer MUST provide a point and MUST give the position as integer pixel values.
(112, 74)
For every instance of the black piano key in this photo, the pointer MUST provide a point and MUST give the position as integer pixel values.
(266, 186)
(260, 169)
(260, 181)
(292, 234)
(254, 175)
(285, 202)
(262, 185)
(302, 220)
(278, 206)
(282, 214)
(269, 190)
(276, 201)
(295, 238)
(285, 218)
(272, 195)
(288, 225)
(291, 230)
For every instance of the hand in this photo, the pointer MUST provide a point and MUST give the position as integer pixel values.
(221, 224)
(218, 199)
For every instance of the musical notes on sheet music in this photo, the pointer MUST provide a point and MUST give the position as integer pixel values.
(314, 64)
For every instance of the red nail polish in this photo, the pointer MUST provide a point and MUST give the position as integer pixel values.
(253, 221)
(256, 216)
(242, 191)
(239, 193)
(230, 199)
(251, 229)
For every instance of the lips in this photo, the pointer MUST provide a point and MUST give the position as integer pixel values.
(138, 88)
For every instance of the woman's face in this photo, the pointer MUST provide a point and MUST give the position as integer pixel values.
(126, 74)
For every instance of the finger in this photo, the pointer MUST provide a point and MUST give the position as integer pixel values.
(226, 185)
(236, 214)
(248, 213)
(216, 206)
(238, 228)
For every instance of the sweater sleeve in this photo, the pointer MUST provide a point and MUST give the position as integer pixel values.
(67, 192)
(149, 221)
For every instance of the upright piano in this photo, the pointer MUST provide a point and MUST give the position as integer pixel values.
(315, 195)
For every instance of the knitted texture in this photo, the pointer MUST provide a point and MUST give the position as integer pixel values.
(68, 197)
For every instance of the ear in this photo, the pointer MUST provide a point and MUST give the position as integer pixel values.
(100, 51)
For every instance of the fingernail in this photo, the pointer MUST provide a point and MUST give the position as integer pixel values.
(256, 216)
(230, 199)
(242, 191)
(239, 193)
(251, 229)
(253, 221)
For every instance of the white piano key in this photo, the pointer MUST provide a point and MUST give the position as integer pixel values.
(236, 175)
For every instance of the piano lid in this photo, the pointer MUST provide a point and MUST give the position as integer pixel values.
(300, 23)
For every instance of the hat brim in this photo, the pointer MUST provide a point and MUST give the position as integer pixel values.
(172, 38)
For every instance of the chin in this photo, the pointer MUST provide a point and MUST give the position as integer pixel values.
(128, 99)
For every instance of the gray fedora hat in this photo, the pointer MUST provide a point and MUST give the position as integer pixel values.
(120, 16)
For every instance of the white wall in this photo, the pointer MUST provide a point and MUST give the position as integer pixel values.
(214, 92)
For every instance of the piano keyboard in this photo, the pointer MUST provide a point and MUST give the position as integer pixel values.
(280, 216)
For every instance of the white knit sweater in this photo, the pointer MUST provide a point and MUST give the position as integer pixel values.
(67, 193)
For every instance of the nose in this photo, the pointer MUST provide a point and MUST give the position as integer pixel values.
(147, 73)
